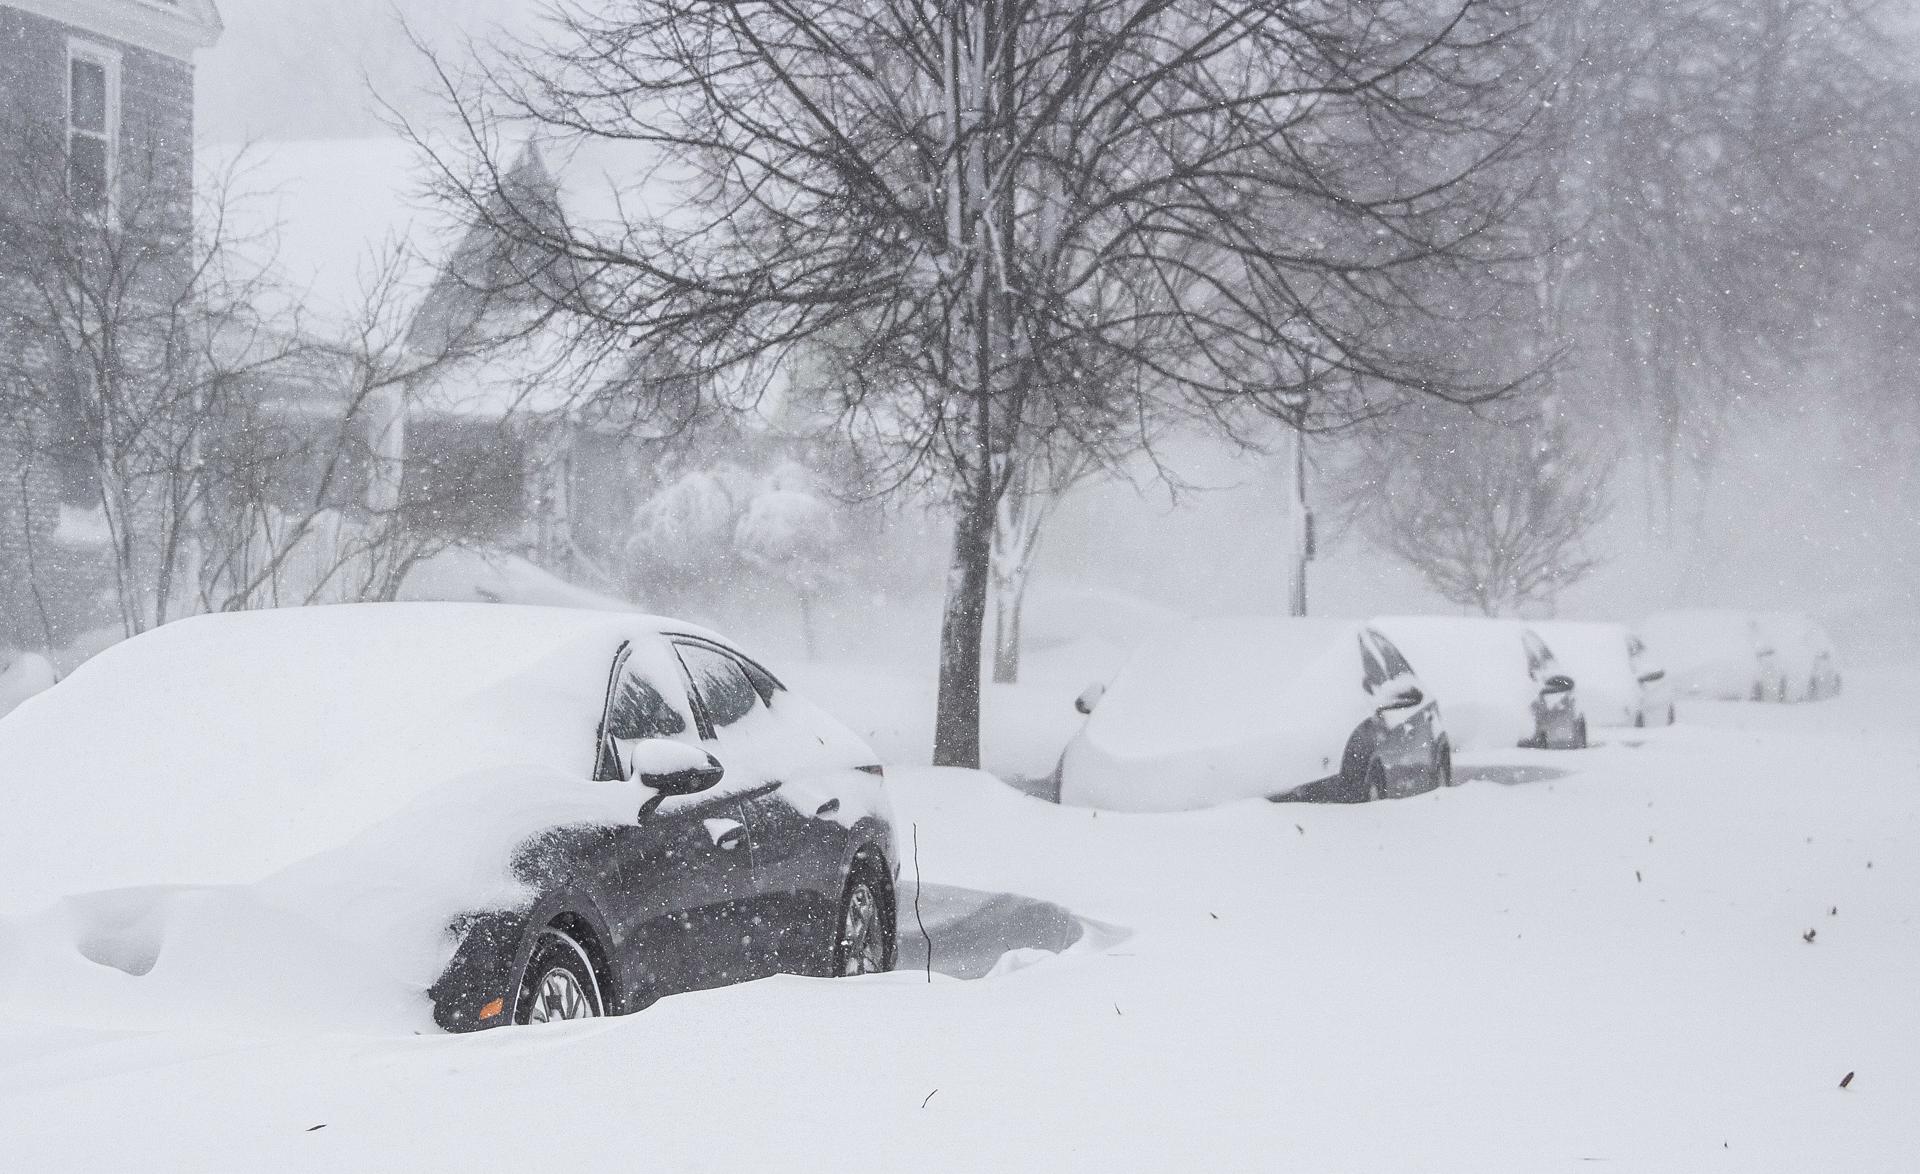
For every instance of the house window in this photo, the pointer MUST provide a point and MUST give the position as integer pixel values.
(93, 117)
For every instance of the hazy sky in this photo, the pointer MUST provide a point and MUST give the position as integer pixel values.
(291, 69)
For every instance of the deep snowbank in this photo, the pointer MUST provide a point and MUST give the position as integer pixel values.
(1575, 961)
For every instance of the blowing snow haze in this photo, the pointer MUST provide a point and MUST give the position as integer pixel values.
(1058, 585)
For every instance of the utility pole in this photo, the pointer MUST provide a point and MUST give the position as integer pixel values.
(1299, 517)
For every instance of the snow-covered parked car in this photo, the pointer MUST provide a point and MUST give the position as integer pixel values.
(520, 813)
(1804, 655)
(1717, 653)
(1496, 680)
(1219, 710)
(1619, 682)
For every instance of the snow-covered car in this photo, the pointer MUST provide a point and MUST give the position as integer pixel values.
(1809, 666)
(1717, 653)
(1218, 710)
(522, 813)
(1620, 684)
(1496, 680)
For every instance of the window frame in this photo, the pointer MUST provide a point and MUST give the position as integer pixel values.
(108, 59)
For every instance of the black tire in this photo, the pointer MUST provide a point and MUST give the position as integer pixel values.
(1673, 715)
(1443, 765)
(558, 968)
(1373, 784)
(866, 909)
(1580, 734)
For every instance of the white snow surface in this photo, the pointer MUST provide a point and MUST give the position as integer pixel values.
(1477, 668)
(1218, 710)
(1573, 961)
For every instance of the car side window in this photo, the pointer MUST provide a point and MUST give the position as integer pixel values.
(1396, 664)
(639, 711)
(1537, 655)
(636, 709)
(1373, 674)
(721, 682)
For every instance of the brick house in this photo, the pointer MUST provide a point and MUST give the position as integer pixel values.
(96, 118)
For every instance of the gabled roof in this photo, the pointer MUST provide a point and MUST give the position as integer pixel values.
(488, 272)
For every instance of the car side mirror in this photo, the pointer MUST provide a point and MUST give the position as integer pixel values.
(1557, 683)
(1089, 697)
(1405, 698)
(671, 768)
(1652, 675)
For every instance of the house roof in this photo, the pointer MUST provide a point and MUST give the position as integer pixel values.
(177, 28)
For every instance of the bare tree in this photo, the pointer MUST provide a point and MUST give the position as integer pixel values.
(1702, 181)
(1494, 513)
(132, 331)
(954, 204)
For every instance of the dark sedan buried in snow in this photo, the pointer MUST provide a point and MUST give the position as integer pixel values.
(527, 814)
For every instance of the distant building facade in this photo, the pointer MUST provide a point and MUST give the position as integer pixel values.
(96, 117)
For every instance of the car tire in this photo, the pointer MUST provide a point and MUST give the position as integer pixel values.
(558, 981)
(1373, 784)
(1673, 715)
(1443, 765)
(1580, 734)
(863, 935)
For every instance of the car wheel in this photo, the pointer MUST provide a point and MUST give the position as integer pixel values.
(1373, 788)
(1673, 715)
(1444, 765)
(558, 982)
(1580, 734)
(863, 937)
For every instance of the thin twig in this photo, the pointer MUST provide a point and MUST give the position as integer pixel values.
(916, 902)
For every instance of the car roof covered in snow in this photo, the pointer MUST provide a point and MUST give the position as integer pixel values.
(219, 748)
(1216, 674)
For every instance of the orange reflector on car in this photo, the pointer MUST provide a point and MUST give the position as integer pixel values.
(493, 1008)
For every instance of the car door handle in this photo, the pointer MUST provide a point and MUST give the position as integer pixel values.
(727, 834)
(826, 809)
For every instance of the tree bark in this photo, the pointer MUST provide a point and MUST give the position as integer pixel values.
(956, 732)
(1008, 598)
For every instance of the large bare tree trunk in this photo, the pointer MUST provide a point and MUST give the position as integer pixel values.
(956, 732)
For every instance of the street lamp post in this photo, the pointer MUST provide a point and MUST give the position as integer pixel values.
(1299, 518)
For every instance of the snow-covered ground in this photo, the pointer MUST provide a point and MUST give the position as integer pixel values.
(1574, 961)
